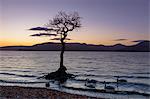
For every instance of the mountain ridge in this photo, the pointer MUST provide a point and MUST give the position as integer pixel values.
(51, 46)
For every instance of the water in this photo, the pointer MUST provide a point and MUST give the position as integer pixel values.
(23, 68)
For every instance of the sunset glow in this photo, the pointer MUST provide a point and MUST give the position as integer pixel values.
(104, 22)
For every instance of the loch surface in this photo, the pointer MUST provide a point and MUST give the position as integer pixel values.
(22, 68)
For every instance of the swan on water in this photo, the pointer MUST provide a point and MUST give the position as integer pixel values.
(108, 88)
(90, 83)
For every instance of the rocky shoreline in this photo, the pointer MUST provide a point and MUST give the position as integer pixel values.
(13, 92)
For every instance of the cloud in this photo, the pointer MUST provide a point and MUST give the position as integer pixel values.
(44, 34)
(40, 29)
(139, 40)
(120, 39)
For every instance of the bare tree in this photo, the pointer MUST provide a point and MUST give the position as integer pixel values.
(60, 26)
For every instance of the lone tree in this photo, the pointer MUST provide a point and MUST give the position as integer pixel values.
(59, 27)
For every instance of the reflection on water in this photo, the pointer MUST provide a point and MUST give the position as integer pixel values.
(24, 67)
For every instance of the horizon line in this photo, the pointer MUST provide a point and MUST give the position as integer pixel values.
(79, 43)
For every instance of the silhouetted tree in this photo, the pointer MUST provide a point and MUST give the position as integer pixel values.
(60, 25)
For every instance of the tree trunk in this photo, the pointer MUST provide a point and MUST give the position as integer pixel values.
(62, 53)
(62, 68)
(60, 74)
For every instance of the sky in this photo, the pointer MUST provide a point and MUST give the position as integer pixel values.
(104, 22)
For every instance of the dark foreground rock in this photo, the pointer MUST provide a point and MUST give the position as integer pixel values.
(59, 75)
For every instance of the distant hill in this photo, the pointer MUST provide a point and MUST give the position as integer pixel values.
(50, 46)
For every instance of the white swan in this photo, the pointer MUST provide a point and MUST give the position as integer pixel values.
(108, 88)
(120, 80)
(90, 83)
(47, 84)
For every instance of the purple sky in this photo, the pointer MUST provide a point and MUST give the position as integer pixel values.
(103, 21)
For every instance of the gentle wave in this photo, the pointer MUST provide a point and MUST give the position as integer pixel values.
(142, 73)
(142, 77)
(112, 82)
(16, 70)
(18, 75)
(110, 76)
(113, 92)
(21, 82)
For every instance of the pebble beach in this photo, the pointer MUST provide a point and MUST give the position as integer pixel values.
(17, 92)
